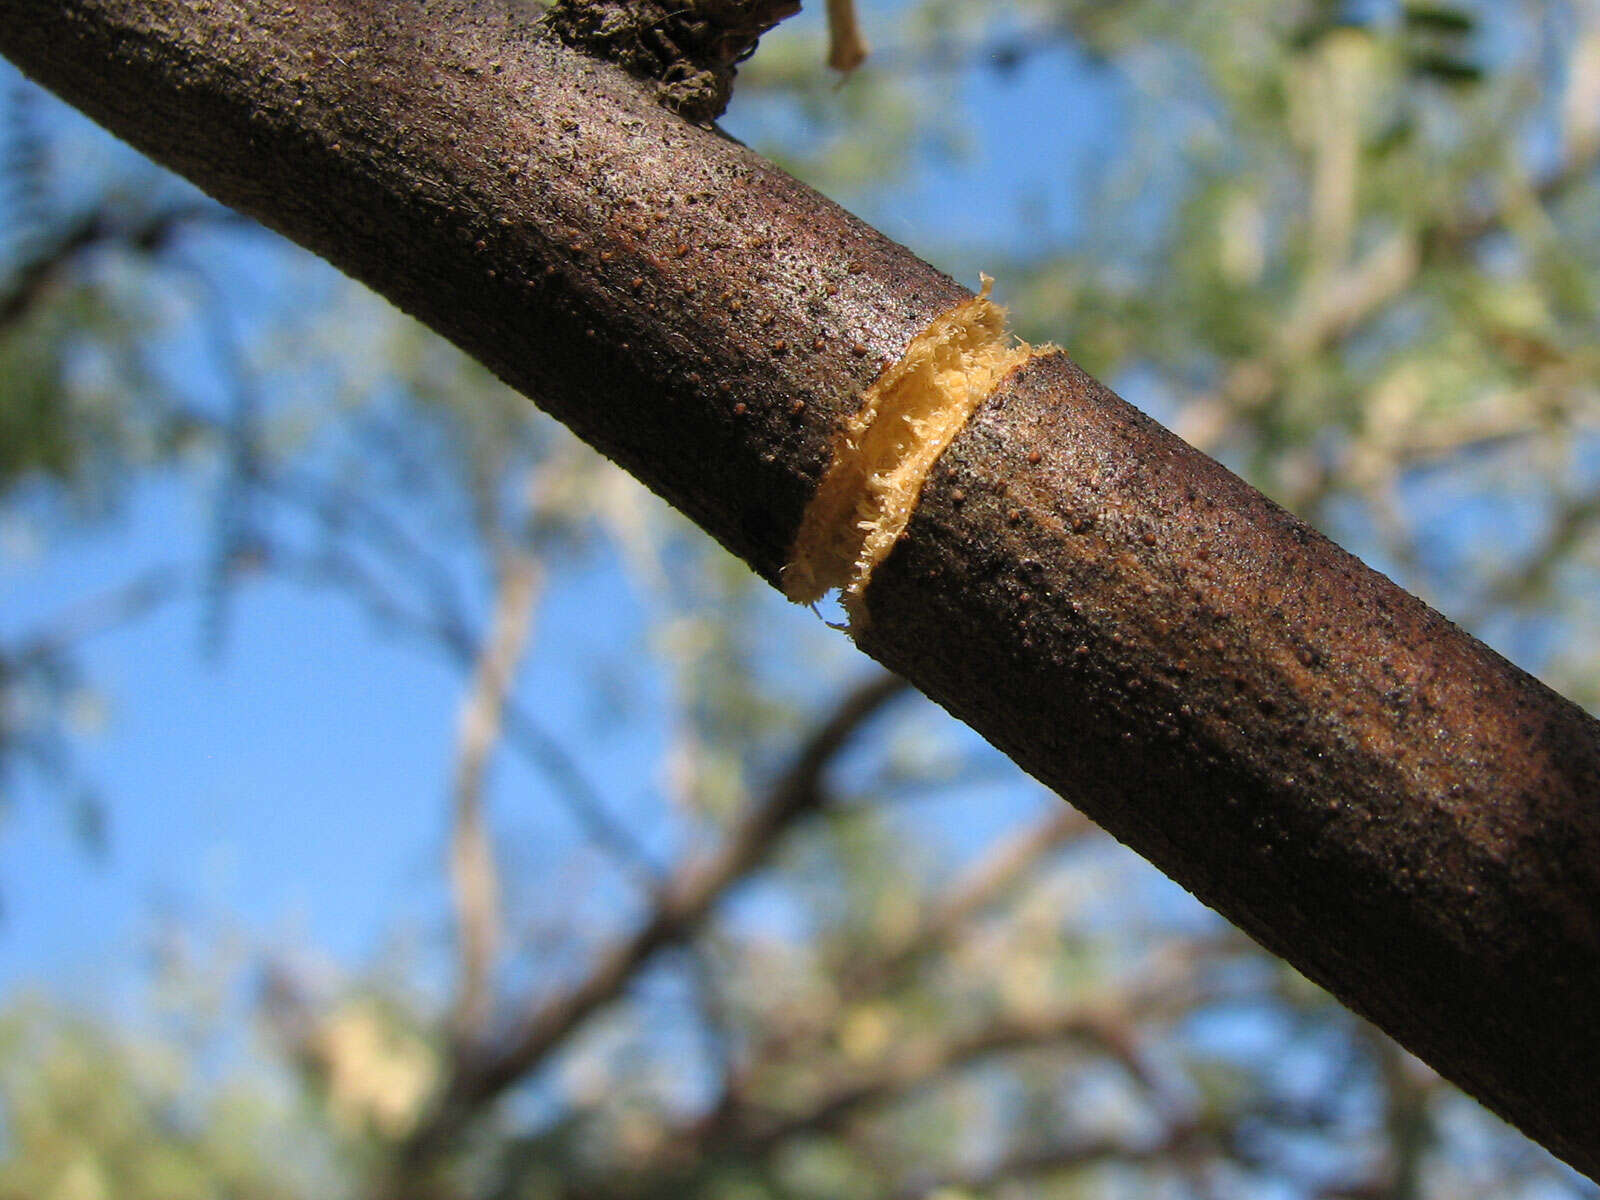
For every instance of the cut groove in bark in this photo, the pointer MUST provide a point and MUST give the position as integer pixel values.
(907, 417)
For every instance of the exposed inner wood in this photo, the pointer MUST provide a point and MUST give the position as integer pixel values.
(885, 451)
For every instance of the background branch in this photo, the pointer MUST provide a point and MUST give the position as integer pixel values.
(473, 876)
(681, 905)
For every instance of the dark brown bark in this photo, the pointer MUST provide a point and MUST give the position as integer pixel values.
(1369, 792)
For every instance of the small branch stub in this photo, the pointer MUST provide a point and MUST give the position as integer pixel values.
(691, 48)
(847, 49)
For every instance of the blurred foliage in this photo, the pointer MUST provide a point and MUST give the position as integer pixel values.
(1350, 248)
(93, 1114)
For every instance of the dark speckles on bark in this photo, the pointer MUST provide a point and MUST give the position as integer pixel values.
(1304, 753)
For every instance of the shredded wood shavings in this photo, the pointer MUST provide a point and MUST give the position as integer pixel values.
(912, 411)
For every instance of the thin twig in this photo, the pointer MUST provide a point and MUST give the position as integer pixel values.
(1354, 295)
(1171, 986)
(474, 881)
(448, 629)
(847, 49)
(104, 226)
(100, 613)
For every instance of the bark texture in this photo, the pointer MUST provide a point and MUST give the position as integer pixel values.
(1369, 792)
(688, 49)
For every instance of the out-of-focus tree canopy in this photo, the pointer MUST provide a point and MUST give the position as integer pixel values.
(807, 939)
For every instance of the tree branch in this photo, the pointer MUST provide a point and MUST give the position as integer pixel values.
(1176, 1144)
(473, 877)
(847, 49)
(994, 874)
(1356, 293)
(1170, 987)
(682, 904)
(93, 230)
(1367, 791)
(98, 614)
(444, 626)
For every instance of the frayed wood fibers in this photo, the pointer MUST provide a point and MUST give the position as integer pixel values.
(912, 411)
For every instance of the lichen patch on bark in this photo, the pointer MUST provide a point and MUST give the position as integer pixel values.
(907, 417)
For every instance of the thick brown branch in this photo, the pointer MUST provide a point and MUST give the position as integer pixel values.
(1398, 811)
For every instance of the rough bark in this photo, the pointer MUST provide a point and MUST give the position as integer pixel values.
(1369, 792)
(688, 52)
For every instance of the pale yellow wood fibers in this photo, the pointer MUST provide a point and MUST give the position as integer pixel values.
(907, 417)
